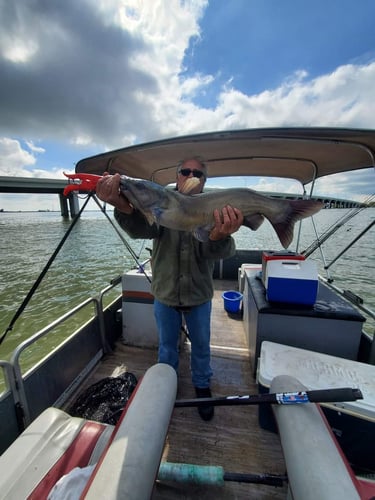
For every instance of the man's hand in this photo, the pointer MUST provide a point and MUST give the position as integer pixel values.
(108, 190)
(227, 221)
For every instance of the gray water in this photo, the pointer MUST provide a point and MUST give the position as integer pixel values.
(93, 254)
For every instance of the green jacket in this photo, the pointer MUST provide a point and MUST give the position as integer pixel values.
(182, 266)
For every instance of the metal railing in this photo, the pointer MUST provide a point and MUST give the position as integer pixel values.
(14, 378)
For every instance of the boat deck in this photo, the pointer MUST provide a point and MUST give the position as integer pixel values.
(233, 439)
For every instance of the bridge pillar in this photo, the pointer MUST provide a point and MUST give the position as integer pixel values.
(64, 205)
(72, 199)
(73, 204)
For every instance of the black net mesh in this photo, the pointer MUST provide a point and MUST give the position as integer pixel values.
(105, 400)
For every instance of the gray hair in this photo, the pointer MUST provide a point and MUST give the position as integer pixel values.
(199, 159)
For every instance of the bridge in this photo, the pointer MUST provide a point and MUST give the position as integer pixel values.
(70, 203)
(328, 202)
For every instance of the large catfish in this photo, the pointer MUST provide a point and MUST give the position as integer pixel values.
(194, 213)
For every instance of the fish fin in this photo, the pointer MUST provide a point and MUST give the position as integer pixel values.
(298, 209)
(253, 221)
(202, 233)
(153, 216)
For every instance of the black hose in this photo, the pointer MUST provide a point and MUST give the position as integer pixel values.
(267, 479)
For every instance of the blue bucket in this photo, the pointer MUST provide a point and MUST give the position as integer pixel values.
(232, 301)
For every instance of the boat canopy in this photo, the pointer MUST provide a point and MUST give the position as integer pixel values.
(303, 154)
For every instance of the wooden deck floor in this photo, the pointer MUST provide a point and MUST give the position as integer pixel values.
(233, 439)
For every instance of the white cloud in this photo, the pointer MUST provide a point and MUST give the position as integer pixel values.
(357, 185)
(99, 70)
(18, 51)
(109, 73)
(34, 148)
(102, 72)
(14, 159)
(342, 98)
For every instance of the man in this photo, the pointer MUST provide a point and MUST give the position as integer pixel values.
(182, 268)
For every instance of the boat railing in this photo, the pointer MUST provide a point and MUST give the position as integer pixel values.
(8, 373)
(15, 359)
(55, 377)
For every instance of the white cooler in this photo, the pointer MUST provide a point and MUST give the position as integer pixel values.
(353, 423)
(138, 322)
(242, 274)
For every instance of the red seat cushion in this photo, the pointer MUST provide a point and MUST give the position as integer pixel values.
(76, 455)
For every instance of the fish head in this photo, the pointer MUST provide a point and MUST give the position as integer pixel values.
(146, 196)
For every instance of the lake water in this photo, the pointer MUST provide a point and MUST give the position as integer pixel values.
(93, 254)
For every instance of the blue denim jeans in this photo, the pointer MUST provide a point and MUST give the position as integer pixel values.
(169, 322)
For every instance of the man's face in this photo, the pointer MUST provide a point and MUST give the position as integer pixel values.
(189, 169)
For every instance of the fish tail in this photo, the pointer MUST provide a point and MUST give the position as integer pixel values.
(296, 210)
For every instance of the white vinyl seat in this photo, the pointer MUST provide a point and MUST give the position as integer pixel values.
(126, 458)
(51, 446)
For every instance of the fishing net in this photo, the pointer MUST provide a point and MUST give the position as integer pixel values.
(105, 400)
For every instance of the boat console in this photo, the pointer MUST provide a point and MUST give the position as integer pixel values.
(331, 325)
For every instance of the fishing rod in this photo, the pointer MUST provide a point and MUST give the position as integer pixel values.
(43, 273)
(140, 265)
(281, 398)
(350, 244)
(334, 227)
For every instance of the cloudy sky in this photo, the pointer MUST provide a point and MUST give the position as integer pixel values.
(81, 77)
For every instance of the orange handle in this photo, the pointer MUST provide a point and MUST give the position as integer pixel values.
(81, 182)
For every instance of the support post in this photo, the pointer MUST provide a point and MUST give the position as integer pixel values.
(64, 205)
(73, 204)
(73, 207)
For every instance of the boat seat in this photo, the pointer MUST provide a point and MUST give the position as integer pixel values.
(316, 465)
(129, 467)
(55, 443)
(50, 447)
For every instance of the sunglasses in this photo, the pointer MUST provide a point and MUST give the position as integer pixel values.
(187, 171)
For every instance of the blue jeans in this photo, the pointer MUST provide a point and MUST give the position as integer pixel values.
(169, 322)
